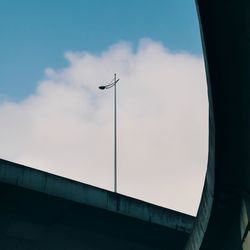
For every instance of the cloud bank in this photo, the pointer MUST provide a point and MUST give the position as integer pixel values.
(66, 126)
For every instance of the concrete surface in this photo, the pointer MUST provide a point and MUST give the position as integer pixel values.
(43, 211)
(225, 29)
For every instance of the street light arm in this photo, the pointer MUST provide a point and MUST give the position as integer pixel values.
(109, 85)
(112, 84)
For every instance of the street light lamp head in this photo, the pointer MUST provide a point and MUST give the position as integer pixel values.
(102, 87)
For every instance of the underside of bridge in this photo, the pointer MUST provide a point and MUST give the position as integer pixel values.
(41, 211)
(223, 216)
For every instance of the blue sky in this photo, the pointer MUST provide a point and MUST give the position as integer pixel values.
(54, 54)
(36, 34)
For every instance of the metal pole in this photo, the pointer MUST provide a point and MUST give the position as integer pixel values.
(115, 140)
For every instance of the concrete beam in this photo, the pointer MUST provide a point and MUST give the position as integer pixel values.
(44, 211)
(47, 183)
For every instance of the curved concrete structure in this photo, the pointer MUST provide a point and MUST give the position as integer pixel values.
(223, 216)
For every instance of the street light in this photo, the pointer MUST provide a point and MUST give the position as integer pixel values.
(103, 87)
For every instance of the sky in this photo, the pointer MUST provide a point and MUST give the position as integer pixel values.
(55, 54)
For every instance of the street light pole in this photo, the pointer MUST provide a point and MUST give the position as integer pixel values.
(115, 139)
(110, 85)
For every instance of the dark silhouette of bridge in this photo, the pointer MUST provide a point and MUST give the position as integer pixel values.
(41, 211)
(223, 218)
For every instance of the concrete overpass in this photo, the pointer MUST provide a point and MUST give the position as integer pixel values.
(41, 211)
(223, 216)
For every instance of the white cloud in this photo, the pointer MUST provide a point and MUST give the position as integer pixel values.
(66, 126)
